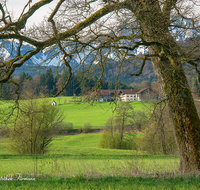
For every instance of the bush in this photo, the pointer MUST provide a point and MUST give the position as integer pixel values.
(113, 141)
(63, 128)
(66, 125)
(86, 127)
(32, 133)
(108, 140)
(115, 134)
(153, 142)
(80, 130)
(4, 131)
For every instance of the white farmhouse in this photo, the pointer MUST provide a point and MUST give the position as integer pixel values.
(128, 95)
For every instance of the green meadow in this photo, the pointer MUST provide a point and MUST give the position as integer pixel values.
(76, 161)
(96, 113)
(80, 155)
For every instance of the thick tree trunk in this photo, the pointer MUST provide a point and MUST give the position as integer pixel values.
(183, 112)
(170, 74)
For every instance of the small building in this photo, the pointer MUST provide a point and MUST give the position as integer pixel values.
(124, 95)
(53, 103)
(128, 95)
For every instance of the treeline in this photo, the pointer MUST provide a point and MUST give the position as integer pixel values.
(49, 83)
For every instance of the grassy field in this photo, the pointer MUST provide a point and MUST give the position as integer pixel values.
(105, 183)
(79, 155)
(76, 162)
(97, 114)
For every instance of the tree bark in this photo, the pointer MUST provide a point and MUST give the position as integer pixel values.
(171, 76)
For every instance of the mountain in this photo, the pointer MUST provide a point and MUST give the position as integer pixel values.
(52, 57)
(111, 70)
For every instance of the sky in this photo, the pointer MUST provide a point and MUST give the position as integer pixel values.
(16, 7)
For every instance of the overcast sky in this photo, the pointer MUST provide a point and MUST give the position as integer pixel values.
(16, 7)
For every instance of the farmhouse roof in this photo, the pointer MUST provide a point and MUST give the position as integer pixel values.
(106, 92)
(130, 91)
(142, 90)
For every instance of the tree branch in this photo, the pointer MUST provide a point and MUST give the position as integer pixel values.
(55, 10)
(87, 22)
(66, 62)
(141, 68)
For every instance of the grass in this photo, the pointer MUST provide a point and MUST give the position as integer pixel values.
(97, 114)
(76, 162)
(105, 183)
(80, 155)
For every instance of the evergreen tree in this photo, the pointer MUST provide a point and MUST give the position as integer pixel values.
(25, 76)
(49, 80)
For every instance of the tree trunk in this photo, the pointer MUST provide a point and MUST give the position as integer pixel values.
(171, 76)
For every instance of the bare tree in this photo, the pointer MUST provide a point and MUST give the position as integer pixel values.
(33, 129)
(98, 30)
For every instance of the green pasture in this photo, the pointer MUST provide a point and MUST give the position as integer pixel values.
(76, 162)
(97, 113)
(79, 155)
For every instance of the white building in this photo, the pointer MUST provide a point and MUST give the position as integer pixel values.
(53, 103)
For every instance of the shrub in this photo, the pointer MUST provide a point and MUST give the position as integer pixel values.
(153, 142)
(66, 125)
(80, 130)
(63, 128)
(112, 140)
(4, 131)
(86, 127)
(32, 133)
(108, 140)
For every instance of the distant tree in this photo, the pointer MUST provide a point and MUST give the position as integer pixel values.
(25, 76)
(49, 81)
(59, 84)
(43, 79)
(123, 119)
(33, 130)
(139, 119)
(119, 131)
(64, 77)
(111, 85)
(157, 134)
(56, 78)
(86, 126)
(145, 84)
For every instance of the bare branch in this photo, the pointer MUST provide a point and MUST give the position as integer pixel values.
(66, 62)
(141, 68)
(29, 2)
(55, 10)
